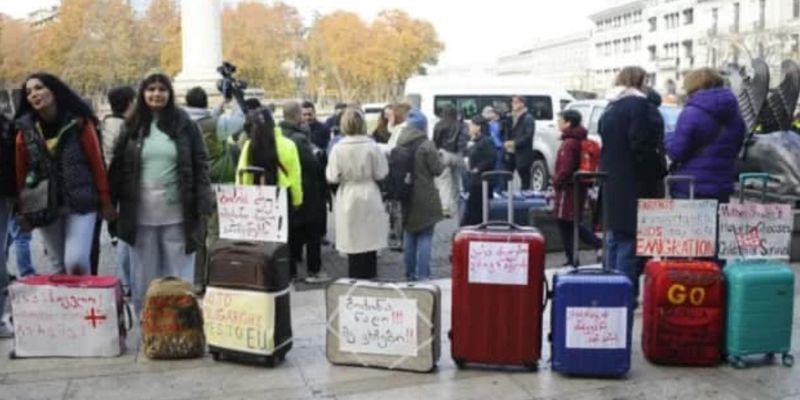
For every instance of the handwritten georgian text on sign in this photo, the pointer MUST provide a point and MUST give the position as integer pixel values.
(597, 327)
(65, 321)
(255, 213)
(378, 325)
(498, 263)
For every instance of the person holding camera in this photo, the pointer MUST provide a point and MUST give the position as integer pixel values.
(159, 178)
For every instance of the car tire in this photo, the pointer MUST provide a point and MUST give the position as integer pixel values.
(540, 176)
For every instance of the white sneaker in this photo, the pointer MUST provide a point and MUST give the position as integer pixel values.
(6, 330)
(320, 277)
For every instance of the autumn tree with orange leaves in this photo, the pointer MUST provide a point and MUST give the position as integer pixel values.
(361, 61)
(96, 44)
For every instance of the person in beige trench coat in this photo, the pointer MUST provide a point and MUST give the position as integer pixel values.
(356, 163)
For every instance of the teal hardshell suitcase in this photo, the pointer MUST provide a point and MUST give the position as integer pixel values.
(760, 310)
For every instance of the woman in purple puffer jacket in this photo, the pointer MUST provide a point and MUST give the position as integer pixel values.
(707, 138)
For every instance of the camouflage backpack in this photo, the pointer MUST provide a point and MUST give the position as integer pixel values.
(172, 322)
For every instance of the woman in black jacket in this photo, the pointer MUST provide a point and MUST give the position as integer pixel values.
(632, 130)
(159, 177)
(481, 158)
(60, 173)
(7, 191)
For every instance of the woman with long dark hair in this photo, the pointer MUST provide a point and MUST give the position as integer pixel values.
(159, 177)
(381, 134)
(271, 151)
(60, 173)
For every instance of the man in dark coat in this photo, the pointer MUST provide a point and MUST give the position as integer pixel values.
(520, 143)
(320, 133)
(632, 131)
(308, 223)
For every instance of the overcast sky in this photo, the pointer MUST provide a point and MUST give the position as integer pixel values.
(474, 32)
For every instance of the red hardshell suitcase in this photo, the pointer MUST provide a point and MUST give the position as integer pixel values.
(684, 308)
(498, 288)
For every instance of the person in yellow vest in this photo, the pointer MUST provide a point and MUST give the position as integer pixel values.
(267, 148)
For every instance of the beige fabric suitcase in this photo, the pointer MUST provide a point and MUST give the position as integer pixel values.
(383, 325)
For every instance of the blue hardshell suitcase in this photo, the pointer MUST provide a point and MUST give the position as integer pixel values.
(586, 299)
(523, 203)
(592, 318)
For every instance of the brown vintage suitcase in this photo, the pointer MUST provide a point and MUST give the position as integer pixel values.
(249, 265)
(254, 278)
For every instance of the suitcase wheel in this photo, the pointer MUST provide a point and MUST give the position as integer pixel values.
(787, 360)
(12, 355)
(738, 363)
(216, 356)
(532, 366)
(459, 363)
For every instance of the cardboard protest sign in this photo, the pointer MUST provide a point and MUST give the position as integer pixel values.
(240, 320)
(58, 321)
(252, 213)
(498, 263)
(753, 230)
(378, 325)
(676, 228)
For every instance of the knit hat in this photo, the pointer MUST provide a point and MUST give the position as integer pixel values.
(416, 119)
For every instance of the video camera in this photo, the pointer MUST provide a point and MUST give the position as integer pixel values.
(228, 85)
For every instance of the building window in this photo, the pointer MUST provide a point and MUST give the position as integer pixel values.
(762, 13)
(637, 43)
(653, 24)
(688, 16)
(736, 17)
(688, 49)
(626, 45)
(796, 8)
(653, 53)
(715, 19)
(795, 43)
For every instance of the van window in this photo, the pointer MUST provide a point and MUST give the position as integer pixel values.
(540, 107)
(467, 106)
(564, 103)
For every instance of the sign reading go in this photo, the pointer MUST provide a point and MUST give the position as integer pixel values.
(678, 294)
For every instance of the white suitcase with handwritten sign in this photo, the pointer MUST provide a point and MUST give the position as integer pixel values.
(383, 325)
(68, 316)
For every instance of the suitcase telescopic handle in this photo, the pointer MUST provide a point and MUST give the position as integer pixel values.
(577, 179)
(764, 177)
(679, 178)
(485, 178)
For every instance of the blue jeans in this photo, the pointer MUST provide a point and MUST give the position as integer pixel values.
(417, 253)
(621, 256)
(22, 244)
(69, 242)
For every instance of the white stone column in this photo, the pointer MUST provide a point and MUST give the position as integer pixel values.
(201, 38)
